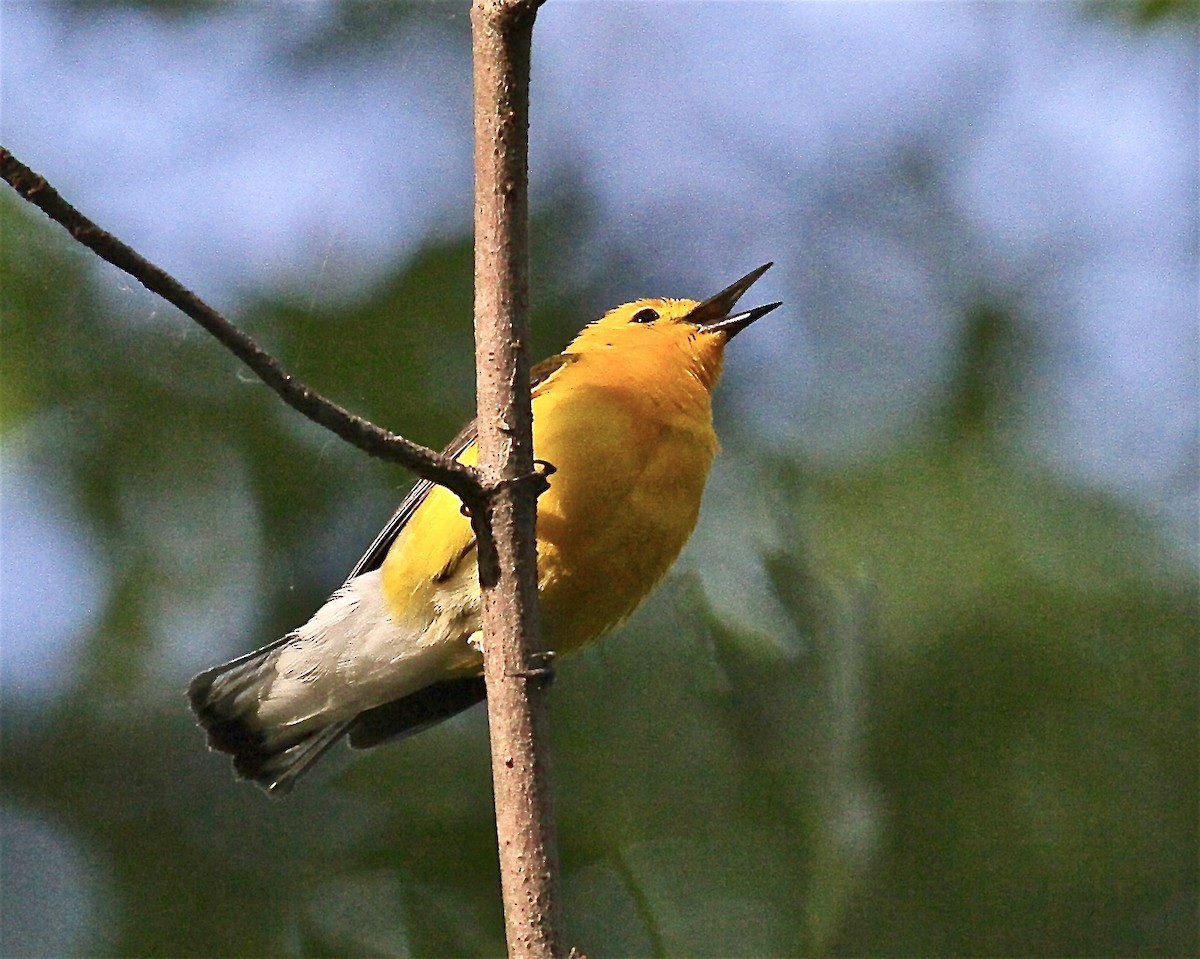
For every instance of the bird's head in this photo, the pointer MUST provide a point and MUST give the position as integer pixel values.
(660, 332)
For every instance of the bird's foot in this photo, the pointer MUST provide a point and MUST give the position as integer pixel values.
(543, 673)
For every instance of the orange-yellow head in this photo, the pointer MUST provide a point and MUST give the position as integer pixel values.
(661, 334)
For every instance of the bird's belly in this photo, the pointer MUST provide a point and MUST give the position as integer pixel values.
(622, 502)
(620, 508)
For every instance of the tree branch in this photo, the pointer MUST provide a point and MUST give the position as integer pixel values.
(502, 32)
(501, 494)
(431, 465)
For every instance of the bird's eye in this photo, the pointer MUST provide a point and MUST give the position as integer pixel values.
(645, 316)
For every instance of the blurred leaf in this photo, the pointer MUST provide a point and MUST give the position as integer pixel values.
(1150, 13)
(1032, 694)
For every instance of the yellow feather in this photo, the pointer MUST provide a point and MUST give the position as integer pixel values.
(625, 418)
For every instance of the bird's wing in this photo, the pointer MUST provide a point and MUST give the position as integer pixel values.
(376, 553)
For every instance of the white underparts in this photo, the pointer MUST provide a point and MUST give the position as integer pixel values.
(352, 655)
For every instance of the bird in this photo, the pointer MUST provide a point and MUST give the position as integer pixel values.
(624, 418)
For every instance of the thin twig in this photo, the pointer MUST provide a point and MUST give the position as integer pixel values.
(502, 33)
(462, 480)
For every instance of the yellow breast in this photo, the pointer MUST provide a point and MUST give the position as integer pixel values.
(632, 463)
(631, 456)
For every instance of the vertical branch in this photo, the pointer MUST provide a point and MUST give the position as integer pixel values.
(502, 32)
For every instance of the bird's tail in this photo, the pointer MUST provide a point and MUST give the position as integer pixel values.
(410, 714)
(225, 700)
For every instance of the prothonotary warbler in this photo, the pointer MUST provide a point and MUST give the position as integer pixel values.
(624, 415)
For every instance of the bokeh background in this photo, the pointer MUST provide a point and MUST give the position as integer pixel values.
(925, 680)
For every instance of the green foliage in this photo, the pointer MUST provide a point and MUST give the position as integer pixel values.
(974, 732)
(1151, 13)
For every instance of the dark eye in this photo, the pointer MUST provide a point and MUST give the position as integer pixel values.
(645, 316)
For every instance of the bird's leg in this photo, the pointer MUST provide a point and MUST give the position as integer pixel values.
(543, 673)
(542, 470)
(539, 478)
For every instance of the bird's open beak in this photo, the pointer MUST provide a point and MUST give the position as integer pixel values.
(715, 315)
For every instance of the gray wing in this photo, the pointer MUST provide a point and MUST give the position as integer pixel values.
(376, 553)
(378, 550)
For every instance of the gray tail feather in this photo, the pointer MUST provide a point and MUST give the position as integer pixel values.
(417, 711)
(225, 700)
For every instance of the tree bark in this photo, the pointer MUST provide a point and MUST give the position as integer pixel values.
(502, 32)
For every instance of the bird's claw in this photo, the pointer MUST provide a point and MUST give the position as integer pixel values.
(539, 478)
(544, 673)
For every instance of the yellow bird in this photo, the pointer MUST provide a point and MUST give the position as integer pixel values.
(624, 415)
